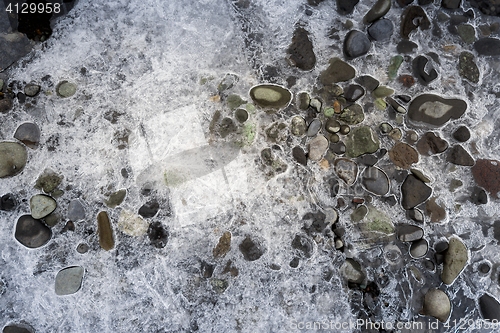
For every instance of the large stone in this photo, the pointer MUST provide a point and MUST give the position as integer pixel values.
(32, 233)
(375, 180)
(301, 53)
(337, 71)
(271, 96)
(435, 110)
(13, 158)
(437, 305)
(105, 231)
(490, 308)
(430, 144)
(455, 259)
(488, 46)
(356, 44)
(403, 155)
(379, 9)
(414, 192)
(69, 280)
(413, 17)
(361, 140)
(29, 134)
(486, 173)
(42, 205)
(459, 156)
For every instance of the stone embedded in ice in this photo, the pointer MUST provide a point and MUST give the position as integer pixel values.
(69, 280)
(105, 231)
(271, 96)
(437, 304)
(42, 205)
(29, 134)
(435, 110)
(32, 233)
(455, 259)
(13, 158)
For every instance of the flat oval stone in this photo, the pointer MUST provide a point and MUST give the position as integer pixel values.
(29, 134)
(271, 96)
(356, 44)
(347, 170)
(66, 89)
(69, 280)
(414, 192)
(435, 110)
(361, 140)
(490, 308)
(488, 46)
(419, 248)
(42, 205)
(105, 231)
(486, 173)
(437, 305)
(314, 127)
(317, 147)
(32, 233)
(337, 71)
(381, 30)
(375, 180)
(455, 259)
(409, 233)
(379, 9)
(13, 158)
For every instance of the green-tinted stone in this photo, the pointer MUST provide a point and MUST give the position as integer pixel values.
(394, 65)
(241, 115)
(377, 221)
(380, 104)
(359, 213)
(48, 181)
(233, 101)
(66, 89)
(52, 219)
(385, 128)
(116, 198)
(467, 33)
(382, 91)
(249, 131)
(271, 96)
(329, 112)
(105, 231)
(361, 140)
(13, 158)
(467, 67)
(352, 115)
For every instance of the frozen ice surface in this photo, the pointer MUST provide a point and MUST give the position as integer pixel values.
(140, 106)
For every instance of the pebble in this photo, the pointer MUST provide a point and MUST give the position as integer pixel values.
(430, 144)
(487, 46)
(354, 92)
(359, 213)
(18, 329)
(132, 224)
(149, 209)
(414, 17)
(409, 233)
(375, 180)
(42, 205)
(467, 67)
(301, 53)
(367, 81)
(346, 7)
(299, 155)
(479, 196)
(13, 158)
(361, 140)
(241, 115)
(271, 96)
(459, 156)
(82, 248)
(29, 134)
(223, 246)
(5, 105)
(66, 89)
(394, 65)
(486, 173)
(31, 90)
(76, 210)
(419, 248)
(69, 280)
(437, 305)
(338, 148)
(158, 235)
(418, 65)
(352, 114)
(421, 175)
(403, 155)
(455, 259)
(304, 245)
(381, 30)
(344, 129)
(396, 134)
(368, 159)
(356, 44)
(406, 47)
(317, 147)
(315, 104)
(346, 169)
(490, 308)
(298, 126)
(461, 134)
(467, 33)
(303, 100)
(377, 222)
(337, 71)
(385, 128)
(379, 9)
(251, 249)
(414, 192)
(8, 202)
(116, 198)
(234, 101)
(48, 181)
(105, 231)
(32, 233)
(314, 127)
(352, 271)
(435, 110)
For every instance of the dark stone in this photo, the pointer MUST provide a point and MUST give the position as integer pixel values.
(21, 97)
(459, 156)
(354, 92)
(32, 233)
(430, 144)
(490, 308)
(314, 222)
(486, 173)
(301, 54)
(294, 263)
(487, 46)
(338, 148)
(158, 235)
(368, 159)
(451, 4)
(404, 3)
(479, 196)
(304, 245)
(381, 30)
(337, 71)
(334, 186)
(69, 226)
(414, 192)
(409, 233)
(226, 127)
(356, 44)
(367, 81)
(435, 110)
(406, 46)
(467, 67)
(16, 329)
(346, 7)
(425, 2)
(299, 155)
(8, 202)
(5, 105)
(250, 249)
(375, 180)
(414, 17)
(379, 9)
(461, 134)
(418, 65)
(29, 134)
(149, 209)
(207, 269)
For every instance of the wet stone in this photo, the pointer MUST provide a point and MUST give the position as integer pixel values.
(315, 104)
(8, 202)
(354, 92)
(375, 181)
(13, 158)
(158, 235)
(233, 101)
(29, 134)
(347, 170)
(414, 192)
(461, 134)
(406, 47)
(346, 7)
(487, 46)
(418, 65)
(430, 144)
(394, 65)
(42, 205)
(361, 140)
(337, 71)
(379, 9)
(251, 249)
(32, 233)
(116, 198)
(467, 67)
(455, 184)
(105, 231)
(396, 134)
(409, 233)
(314, 127)
(403, 155)
(467, 33)
(301, 53)
(69, 280)
(385, 128)
(31, 90)
(490, 308)
(352, 114)
(455, 259)
(367, 81)
(344, 129)
(459, 156)
(303, 100)
(437, 305)
(299, 155)
(270, 96)
(421, 175)
(419, 248)
(413, 17)
(356, 44)
(479, 196)
(76, 210)
(317, 147)
(435, 110)
(66, 89)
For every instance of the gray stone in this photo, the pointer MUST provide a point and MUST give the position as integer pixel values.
(419, 65)
(314, 127)
(488, 46)
(367, 81)
(66, 89)
(18, 329)
(299, 155)
(345, 7)
(490, 308)
(5, 105)
(451, 4)
(379, 9)
(437, 305)
(42, 205)
(317, 147)
(32, 233)
(69, 280)
(352, 271)
(414, 192)
(419, 248)
(381, 30)
(435, 110)
(29, 134)
(31, 90)
(303, 100)
(455, 259)
(467, 33)
(361, 140)
(346, 169)
(354, 92)
(301, 53)
(13, 158)
(241, 115)
(375, 180)
(116, 198)
(409, 233)
(356, 44)
(413, 17)
(76, 210)
(271, 96)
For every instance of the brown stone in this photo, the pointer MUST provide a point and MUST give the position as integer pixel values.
(403, 155)
(105, 231)
(223, 246)
(486, 173)
(436, 212)
(430, 144)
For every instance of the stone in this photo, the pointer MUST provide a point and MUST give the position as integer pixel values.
(419, 248)
(223, 246)
(251, 249)
(455, 184)
(228, 82)
(158, 235)
(66, 89)
(394, 65)
(385, 128)
(304, 245)
(413, 17)
(375, 180)
(31, 232)
(352, 115)
(436, 212)
(13, 158)
(406, 47)
(459, 156)
(241, 115)
(451, 4)
(226, 127)
(461, 134)
(234, 101)
(105, 232)
(467, 33)
(298, 126)
(332, 126)
(359, 213)
(418, 66)
(403, 155)
(361, 140)
(378, 10)
(414, 192)
(487, 46)
(486, 173)
(479, 196)
(435, 110)
(29, 134)
(409, 233)
(149, 209)
(301, 53)
(8, 202)
(317, 147)
(437, 305)
(467, 67)
(42, 205)
(338, 148)
(48, 181)
(455, 259)
(299, 155)
(5, 105)
(69, 280)
(356, 44)
(421, 175)
(346, 7)
(354, 92)
(132, 224)
(352, 271)
(76, 210)
(18, 329)
(337, 71)
(381, 30)
(31, 90)
(346, 169)
(315, 104)
(116, 198)
(396, 105)
(367, 81)
(404, 3)
(490, 308)
(271, 96)
(377, 221)
(303, 100)
(314, 127)
(382, 91)
(368, 159)
(344, 129)
(430, 144)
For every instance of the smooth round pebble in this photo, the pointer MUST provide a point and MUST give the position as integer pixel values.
(437, 305)
(66, 89)
(69, 280)
(32, 233)
(29, 134)
(42, 205)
